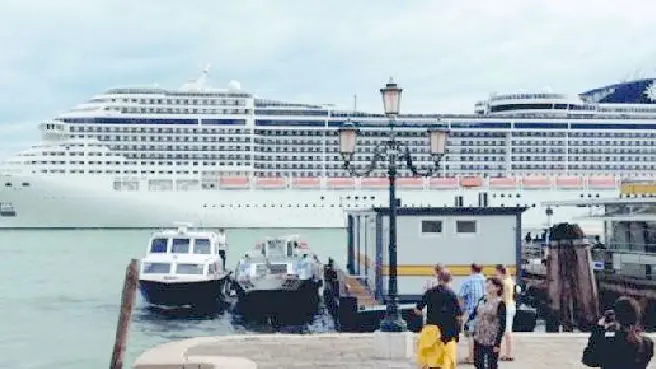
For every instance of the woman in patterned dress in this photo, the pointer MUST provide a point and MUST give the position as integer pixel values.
(490, 325)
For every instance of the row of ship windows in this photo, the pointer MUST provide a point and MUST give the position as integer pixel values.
(363, 143)
(296, 133)
(581, 158)
(123, 129)
(260, 132)
(581, 143)
(234, 138)
(571, 151)
(336, 164)
(235, 102)
(585, 167)
(334, 133)
(537, 150)
(126, 110)
(347, 205)
(585, 134)
(481, 155)
(300, 162)
(364, 133)
(415, 147)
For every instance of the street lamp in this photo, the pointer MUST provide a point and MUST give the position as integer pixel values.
(394, 151)
(547, 236)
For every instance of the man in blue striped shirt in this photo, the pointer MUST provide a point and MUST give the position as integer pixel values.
(472, 289)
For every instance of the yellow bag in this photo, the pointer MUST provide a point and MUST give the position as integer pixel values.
(432, 352)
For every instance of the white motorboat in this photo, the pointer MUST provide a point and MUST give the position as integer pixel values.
(279, 272)
(182, 269)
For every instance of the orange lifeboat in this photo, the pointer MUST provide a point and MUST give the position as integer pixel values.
(569, 182)
(471, 181)
(536, 182)
(270, 182)
(341, 182)
(233, 182)
(306, 182)
(410, 182)
(374, 183)
(602, 182)
(448, 182)
(503, 182)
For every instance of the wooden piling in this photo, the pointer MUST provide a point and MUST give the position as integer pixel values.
(123, 326)
(572, 286)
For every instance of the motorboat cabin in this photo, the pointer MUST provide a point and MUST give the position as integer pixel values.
(182, 268)
(280, 269)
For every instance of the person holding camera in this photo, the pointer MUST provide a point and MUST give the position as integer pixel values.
(616, 342)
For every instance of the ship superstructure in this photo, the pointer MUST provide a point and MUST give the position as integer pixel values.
(147, 156)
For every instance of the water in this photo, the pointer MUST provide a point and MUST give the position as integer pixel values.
(60, 294)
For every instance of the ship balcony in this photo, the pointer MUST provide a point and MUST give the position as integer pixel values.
(53, 131)
(52, 126)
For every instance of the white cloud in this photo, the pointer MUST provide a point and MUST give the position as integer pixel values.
(445, 54)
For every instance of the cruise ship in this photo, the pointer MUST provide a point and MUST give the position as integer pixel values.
(144, 157)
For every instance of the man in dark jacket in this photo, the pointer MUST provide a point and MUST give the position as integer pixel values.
(443, 308)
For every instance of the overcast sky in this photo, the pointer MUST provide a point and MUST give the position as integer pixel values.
(445, 54)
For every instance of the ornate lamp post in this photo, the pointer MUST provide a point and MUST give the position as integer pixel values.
(394, 151)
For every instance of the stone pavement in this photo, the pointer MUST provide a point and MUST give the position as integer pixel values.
(532, 350)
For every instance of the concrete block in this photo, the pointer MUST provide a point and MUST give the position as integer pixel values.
(393, 346)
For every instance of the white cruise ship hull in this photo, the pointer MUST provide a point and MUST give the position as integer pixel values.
(72, 202)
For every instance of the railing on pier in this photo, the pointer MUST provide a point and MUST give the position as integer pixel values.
(627, 263)
(639, 247)
(353, 285)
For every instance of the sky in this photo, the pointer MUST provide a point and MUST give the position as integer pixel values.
(445, 54)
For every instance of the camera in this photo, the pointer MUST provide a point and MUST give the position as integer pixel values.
(609, 316)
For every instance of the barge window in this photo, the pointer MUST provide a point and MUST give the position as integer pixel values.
(7, 209)
(466, 226)
(159, 245)
(431, 226)
(180, 246)
(202, 246)
(189, 269)
(157, 268)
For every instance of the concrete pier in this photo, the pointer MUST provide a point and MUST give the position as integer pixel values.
(341, 350)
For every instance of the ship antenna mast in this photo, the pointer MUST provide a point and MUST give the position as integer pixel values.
(200, 82)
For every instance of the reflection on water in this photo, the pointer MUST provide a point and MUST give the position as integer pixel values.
(184, 323)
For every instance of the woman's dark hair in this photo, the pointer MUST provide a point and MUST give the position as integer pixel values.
(444, 275)
(627, 314)
(498, 284)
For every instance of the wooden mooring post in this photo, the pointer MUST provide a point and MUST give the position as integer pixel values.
(123, 326)
(571, 284)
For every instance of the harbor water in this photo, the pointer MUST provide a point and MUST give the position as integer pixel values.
(60, 295)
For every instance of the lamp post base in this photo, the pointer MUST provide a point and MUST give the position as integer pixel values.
(394, 345)
(393, 323)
